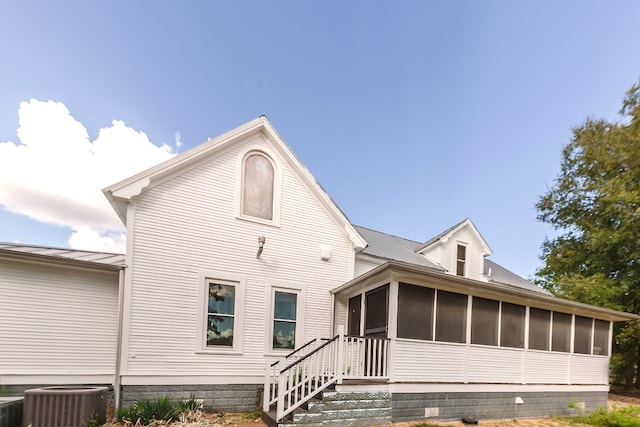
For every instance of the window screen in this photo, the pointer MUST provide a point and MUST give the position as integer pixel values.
(415, 312)
(601, 338)
(539, 329)
(561, 337)
(512, 325)
(376, 310)
(582, 338)
(484, 321)
(355, 304)
(451, 317)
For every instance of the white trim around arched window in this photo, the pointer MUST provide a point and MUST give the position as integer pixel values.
(259, 194)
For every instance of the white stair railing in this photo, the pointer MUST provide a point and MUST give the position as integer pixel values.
(292, 381)
(365, 358)
(273, 371)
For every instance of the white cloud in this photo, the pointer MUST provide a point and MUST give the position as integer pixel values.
(55, 174)
(178, 139)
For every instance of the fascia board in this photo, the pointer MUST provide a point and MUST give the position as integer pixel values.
(486, 250)
(485, 246)
(55, 261)
(330, 206)
(120, 193)
(419, 275)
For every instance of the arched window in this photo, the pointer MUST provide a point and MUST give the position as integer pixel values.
(257, 187)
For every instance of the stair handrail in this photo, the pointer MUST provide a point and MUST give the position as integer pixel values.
(312, 373)
(297, 350)
(291, 383)
(317, 349)
(273, 371)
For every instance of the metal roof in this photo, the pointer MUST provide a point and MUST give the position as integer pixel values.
(390, 247)
(498, 274)
(72, 255)
(393, 248)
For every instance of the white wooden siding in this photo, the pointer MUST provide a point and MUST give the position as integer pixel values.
(56, 322)
(428, 362)
(364, 265)
(589, 370)
(546, 367)
(494, 365)
(445, 254)
(190, 224)
(436, 362)
(340, 314)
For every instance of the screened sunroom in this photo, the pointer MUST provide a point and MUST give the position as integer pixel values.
(447, 329)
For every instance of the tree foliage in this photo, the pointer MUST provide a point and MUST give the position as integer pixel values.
(594, 205)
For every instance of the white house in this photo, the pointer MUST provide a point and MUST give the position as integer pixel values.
(239, 264)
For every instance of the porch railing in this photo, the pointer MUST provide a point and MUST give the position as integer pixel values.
(296, 378)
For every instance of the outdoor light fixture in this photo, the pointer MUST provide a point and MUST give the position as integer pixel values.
(261, 241)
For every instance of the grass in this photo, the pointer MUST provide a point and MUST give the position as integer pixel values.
(628, 416)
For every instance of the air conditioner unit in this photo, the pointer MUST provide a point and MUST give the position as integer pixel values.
(11, 411)
(64, 406)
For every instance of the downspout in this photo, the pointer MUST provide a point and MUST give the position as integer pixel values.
(117, 379)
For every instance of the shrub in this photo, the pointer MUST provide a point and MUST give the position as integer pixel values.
(161, 409)
(192, 404)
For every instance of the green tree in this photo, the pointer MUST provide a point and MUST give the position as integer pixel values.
(594, 205)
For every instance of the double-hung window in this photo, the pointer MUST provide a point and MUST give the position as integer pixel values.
(285, 307)
(285, 321)
(461, 260)
(220, 313)
(221, 317)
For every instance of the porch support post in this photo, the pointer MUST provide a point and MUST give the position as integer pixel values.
(340, 358)
(266, 393)
(281, 392)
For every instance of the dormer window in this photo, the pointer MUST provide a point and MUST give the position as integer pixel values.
(258, 179)
(461, 260)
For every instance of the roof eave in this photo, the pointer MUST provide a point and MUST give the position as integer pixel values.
(504, 291)
(119, 194)
(31, 257)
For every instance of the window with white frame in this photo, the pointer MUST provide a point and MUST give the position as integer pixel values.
(582, 335)
(512, 325)
(601, 337)
(561, 332)
(461, 260)
(258, 184)
(221, 313)
(539, 324)
(285, 308)
(451, 317)
(484, 321)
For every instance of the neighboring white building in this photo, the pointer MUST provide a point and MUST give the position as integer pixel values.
(236, 257)
(58, 316)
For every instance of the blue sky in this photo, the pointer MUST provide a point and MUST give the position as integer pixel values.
(413, 115)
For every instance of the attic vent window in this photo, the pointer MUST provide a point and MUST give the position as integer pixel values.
(461, 259)
(257, 187)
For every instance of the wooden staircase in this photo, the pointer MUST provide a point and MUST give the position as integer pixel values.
(313, 370)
